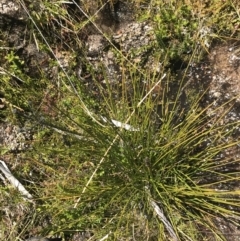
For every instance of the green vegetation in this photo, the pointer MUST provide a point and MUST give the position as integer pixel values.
(85, 173)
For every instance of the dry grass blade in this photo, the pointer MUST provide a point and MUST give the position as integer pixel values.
(14, 181)
(163, 219)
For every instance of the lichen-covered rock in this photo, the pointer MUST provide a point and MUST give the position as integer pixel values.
(133, 40)
(135, 37)
(8, 7)
(95, 44)
(15, 138)
(11, 10)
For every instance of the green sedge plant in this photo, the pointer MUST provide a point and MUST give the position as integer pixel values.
(128, 162)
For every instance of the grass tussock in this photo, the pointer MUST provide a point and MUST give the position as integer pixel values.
(140, 158)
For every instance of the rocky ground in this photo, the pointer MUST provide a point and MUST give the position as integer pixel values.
(219, 71)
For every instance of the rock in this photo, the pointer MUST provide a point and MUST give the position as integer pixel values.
(133, 39)
(15, 138)
(11, 10)
(9, 7)
(95, 44)
(135, 36)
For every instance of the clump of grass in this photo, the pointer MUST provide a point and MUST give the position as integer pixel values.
(163, 180)
(109, 177)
